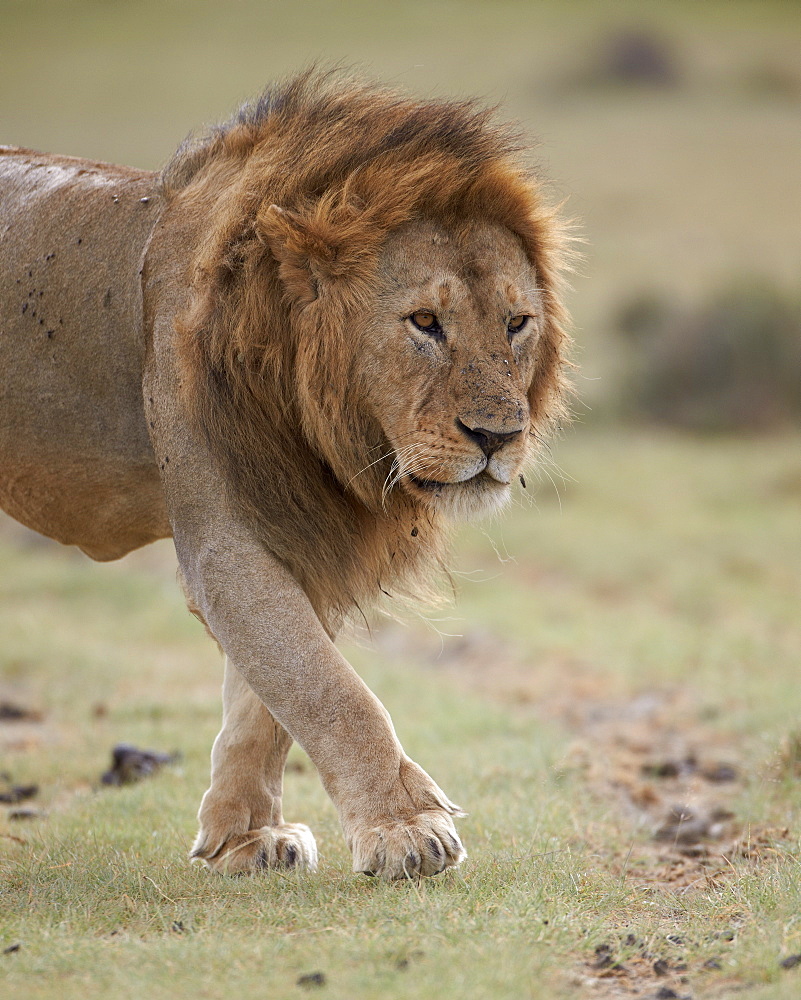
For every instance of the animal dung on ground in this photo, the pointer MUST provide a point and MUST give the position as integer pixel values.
(683, 826)
(312, 979)
(25, 814)
(10, 712)
(13, 794)
(718, 773)
(129, 764)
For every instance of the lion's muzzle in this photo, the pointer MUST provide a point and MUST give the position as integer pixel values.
(488, 441)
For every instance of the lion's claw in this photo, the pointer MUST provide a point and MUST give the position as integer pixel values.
(290, 845)
(425, 844)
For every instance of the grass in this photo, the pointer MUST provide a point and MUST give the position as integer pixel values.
(670, 567)
(651, 612)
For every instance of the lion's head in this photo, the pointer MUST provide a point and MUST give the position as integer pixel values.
(376, 338)
(450, 343)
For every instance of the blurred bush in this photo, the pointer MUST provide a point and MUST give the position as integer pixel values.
(627, 58)
(637, 56)
(730, 363)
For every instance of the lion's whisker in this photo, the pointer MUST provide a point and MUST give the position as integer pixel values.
(397, 472)
(380, 458)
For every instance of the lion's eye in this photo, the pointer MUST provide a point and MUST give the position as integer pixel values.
(427, 322)
(516, 323)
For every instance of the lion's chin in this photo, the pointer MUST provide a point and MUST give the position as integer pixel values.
(465, 501)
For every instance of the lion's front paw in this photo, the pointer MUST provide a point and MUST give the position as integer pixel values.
(290, 845)
(425, 844)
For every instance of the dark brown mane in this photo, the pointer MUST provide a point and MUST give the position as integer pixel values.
(274, 384)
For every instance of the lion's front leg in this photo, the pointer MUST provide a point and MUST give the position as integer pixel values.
(241, 823)
(409, 832)
(397, 821)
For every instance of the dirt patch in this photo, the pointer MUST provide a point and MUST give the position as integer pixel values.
(675, 781)
(632, 969)
(671, 776)
(661, 771)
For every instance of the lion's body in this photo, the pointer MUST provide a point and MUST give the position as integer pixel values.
(76, 461)
(303, 394)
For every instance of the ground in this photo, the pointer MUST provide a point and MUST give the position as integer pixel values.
(616, 707)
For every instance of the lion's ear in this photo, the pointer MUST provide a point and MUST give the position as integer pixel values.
(289, 242)
(336, 239)
(304, 251)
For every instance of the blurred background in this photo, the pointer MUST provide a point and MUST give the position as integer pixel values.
(672, 129)
(635, 615)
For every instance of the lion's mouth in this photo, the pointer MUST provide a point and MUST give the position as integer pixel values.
(460, 499)
(434, 485)
(430, 485)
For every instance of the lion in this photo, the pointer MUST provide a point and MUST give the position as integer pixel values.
(327, 330)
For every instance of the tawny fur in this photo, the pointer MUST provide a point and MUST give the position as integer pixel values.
(228, 354)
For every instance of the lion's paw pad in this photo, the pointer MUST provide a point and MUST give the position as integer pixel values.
(425, 844)
(290, 845)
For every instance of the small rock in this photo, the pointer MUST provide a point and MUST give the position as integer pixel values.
(682, 826)
(9, 712)
(604, 959)
(670, 768)
(720, 773)
(403, 961)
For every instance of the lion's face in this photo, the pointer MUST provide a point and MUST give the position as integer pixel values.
(452, 347)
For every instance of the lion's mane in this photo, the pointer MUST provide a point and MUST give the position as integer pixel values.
(275, 387)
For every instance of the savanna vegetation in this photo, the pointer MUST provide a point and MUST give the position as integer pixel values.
(612, 695)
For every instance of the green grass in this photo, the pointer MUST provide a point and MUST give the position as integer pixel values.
(672, 565)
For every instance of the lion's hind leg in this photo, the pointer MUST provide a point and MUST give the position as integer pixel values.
(242, 827)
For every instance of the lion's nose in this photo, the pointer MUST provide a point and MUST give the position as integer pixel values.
(488, 441)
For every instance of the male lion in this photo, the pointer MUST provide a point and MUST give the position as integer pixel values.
(327, 329)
